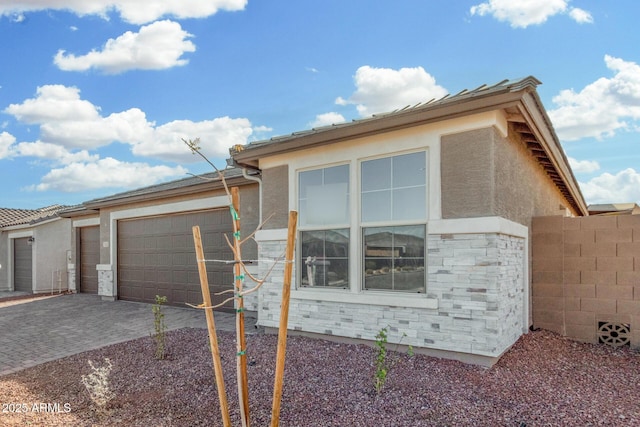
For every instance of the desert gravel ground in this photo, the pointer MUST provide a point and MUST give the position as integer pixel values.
(544, 380)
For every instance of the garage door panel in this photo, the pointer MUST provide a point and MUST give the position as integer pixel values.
(167, 258)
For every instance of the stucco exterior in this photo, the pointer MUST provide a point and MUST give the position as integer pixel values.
(492, 162)
(50, 249)
(485, 173)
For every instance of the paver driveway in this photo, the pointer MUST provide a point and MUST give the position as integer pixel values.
(46, 329)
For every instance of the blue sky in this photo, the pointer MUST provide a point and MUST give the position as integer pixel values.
(95, 95)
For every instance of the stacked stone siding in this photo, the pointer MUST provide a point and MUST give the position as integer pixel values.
(477, 279)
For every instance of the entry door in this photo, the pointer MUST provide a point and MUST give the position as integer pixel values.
(89, 258)
(22, 265)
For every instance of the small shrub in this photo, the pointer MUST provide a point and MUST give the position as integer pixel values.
(383, 362)
(97, 384)
(160, 327)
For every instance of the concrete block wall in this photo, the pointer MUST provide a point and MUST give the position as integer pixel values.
(586, 271)
(477, 279)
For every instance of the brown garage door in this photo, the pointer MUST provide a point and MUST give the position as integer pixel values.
(156, 256)
(22, 265)
(89, 258)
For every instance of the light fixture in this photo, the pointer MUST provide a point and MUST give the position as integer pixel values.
(30, 241)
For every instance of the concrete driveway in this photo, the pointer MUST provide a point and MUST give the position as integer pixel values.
(46, 329)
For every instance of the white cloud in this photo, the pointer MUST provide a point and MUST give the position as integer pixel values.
(52, 103)
(262, 129)
(75, 124)
(54, 152)
(133, 11)
(581, 16)
(327, 119)
(384, 89)
(105, 173)
(216, 136)
(603, 107)
(583, 166)
(522, 13)
(157, 46)
(6, 140)
(623, 187)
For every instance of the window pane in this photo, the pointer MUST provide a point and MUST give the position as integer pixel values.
(376, 206)
(409, 170)
(394, 188)
(309, 178)
(336, 174)
(323, 196)
(394, 258)
(325, 258)
(376, 174)
(327, 204)
(409, 203)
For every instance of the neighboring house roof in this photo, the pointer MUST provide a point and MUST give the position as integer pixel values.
(614, 209)
(13, 217)
(518, 98)
(190, 185)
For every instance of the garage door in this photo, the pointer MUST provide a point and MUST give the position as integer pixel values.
(156, 256)
(22, 265)
(89, 258)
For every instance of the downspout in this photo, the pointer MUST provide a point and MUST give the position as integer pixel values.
(259, 181)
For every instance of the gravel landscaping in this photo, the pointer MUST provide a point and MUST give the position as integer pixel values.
(544, 380)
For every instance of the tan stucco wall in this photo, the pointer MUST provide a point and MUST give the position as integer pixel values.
(275, 198)
(467, 171)
(486, 174)
(523, 189)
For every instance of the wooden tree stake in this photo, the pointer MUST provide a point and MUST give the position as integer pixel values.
(284, 318)
(241, 342)
(211, 326)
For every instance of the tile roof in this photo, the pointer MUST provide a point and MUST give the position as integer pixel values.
(153, 190)
(507, 85)
(12, 217)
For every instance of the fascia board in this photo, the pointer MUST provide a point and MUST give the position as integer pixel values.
(366, 127)
(540, 124)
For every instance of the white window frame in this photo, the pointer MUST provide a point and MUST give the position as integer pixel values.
(302, 228)
(361, 225)
(356, 293)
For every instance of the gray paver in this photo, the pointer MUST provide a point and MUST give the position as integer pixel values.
(48, 329)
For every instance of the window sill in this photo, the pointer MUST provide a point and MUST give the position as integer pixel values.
(366, 298)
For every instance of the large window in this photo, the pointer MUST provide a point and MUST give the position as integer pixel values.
(390, 232)
(323, 203)
(393, 216)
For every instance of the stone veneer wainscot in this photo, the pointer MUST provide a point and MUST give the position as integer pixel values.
(477, 280)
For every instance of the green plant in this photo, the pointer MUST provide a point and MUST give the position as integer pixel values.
(160, 327)
(383, 362)
(97, 384)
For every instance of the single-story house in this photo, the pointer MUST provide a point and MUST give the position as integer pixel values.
(34, 246)
(417, 220)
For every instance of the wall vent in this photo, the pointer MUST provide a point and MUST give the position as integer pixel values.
(614, 334)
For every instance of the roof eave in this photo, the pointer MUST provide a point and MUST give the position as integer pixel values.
(532, 108)
(463, 106)
(204, 186)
